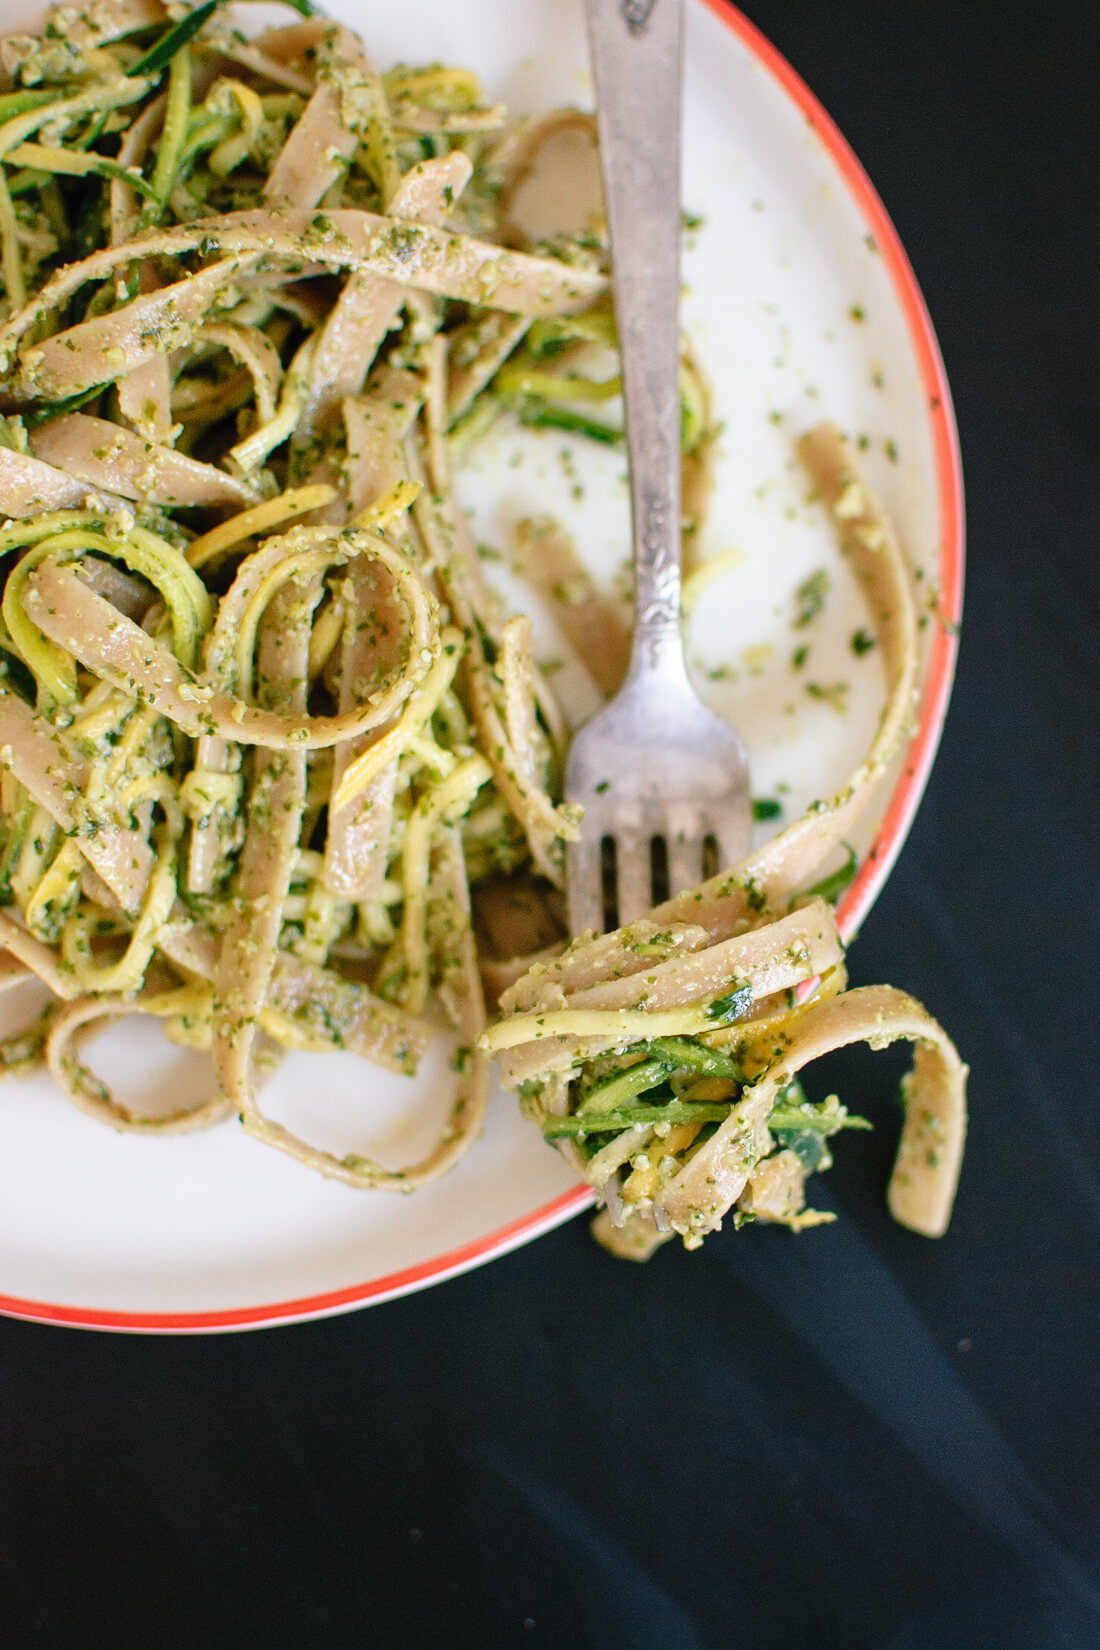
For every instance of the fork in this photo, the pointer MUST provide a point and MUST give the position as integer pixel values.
(662, 780)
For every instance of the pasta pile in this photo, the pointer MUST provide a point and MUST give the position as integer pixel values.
(664, 1059)
(277, 770)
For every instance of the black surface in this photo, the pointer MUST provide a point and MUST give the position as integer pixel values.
(853, 1439)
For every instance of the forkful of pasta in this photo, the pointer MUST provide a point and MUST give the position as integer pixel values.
(662, 780)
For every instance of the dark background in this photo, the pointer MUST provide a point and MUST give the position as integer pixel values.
(855, 1439)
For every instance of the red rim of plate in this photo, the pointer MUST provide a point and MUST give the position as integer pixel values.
(872, 873)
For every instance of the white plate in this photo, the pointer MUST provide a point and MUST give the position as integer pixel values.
(801, 306)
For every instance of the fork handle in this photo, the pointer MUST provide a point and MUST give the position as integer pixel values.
(637, 48)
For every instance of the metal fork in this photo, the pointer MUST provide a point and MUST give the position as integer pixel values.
(663, 781)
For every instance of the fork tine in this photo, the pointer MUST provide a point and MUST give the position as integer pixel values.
(584, 884)
(685, 859)
(635, 877)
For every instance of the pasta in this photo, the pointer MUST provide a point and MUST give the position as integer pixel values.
(663, 1059)
(276, 769)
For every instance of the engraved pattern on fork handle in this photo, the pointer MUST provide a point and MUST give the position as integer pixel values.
(657, 586)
